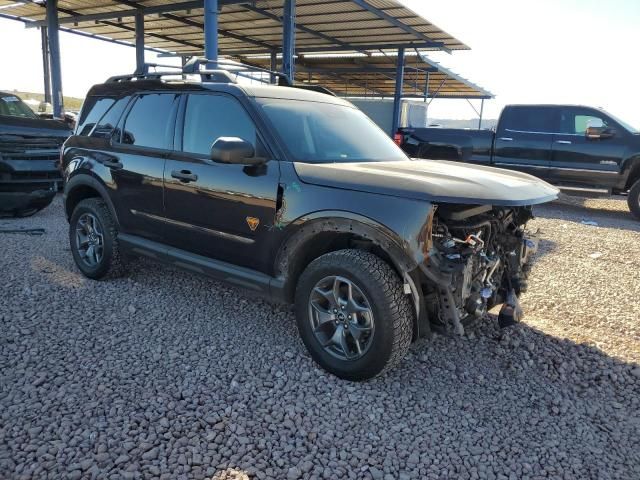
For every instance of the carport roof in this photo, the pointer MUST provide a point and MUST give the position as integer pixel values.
(248, 27)
(374, 75)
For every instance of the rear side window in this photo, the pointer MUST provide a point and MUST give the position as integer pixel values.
(92, 110)
(149, 121)
(208, 117)
(106, 126)
(530, 119)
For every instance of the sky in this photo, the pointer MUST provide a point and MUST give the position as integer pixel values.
(547, 51)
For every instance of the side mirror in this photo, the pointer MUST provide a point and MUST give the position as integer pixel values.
(234, 150)
(599, 133)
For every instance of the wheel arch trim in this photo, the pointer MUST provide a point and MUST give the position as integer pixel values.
(85, 180)
(343, 222)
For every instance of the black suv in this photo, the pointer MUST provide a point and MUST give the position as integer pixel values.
(296, 195)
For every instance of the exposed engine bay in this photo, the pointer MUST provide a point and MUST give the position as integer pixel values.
(478, 258)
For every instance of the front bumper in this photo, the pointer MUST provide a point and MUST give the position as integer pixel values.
(19, 201)
(28, 184)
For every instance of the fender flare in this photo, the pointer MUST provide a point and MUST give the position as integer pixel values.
(342, 222)
(87, 180)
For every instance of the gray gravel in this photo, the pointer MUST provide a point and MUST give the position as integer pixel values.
(164, 374)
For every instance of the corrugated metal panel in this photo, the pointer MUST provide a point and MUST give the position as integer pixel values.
(333, 72)
(342, 20)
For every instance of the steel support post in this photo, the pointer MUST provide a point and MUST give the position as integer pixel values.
(139, 41)
(289, 38)
(54, 58)
(46, 72)
(211, 30)
(274, 65)
(426, 87)
(397, 95)
(480, 119)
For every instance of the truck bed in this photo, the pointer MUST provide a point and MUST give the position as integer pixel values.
(449, 144)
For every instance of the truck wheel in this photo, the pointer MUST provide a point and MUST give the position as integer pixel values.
(634, 199)
(353, 315)
(93, 237)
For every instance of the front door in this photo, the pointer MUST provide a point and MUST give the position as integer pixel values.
(222, 211)
(579, 160)
(523, 139)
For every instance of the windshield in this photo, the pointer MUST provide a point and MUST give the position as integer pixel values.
(624, 124)
(12, 106)
(316, 132)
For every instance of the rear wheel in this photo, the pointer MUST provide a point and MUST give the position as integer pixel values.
(634, 199)
(353, 315)
(93, 236)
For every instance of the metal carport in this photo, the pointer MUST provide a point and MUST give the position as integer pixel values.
(285, 29)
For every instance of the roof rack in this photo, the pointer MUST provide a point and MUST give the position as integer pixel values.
(217, 71)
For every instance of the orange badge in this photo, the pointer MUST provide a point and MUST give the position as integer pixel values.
(253, 223)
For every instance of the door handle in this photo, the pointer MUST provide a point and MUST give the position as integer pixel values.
(184, 176)
(506, 139)
(112, 164)
(564, 142)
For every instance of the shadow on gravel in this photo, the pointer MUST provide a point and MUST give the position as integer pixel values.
(545, 246)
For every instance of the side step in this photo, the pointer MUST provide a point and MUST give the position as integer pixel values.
(265, 285)
(585, 191)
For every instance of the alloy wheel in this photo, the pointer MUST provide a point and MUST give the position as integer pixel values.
(341, 318)
(89, 240)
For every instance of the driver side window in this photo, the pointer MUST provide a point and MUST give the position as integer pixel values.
(582, 122)
(208, 117)
(576, 122)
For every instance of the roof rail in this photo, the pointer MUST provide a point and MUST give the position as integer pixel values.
(193, 67)
(146, 73)
(218, 71)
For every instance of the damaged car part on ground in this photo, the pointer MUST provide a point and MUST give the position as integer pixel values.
(29, 158)
(298, 196)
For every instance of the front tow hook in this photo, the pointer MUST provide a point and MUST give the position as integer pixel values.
(511, 311)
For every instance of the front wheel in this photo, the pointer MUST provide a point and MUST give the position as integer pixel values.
(634, 199)
(353, 315)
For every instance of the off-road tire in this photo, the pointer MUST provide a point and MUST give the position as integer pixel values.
(634, 199)
(392, 312)
(112, 263)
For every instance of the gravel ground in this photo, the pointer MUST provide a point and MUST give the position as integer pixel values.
(168, 375)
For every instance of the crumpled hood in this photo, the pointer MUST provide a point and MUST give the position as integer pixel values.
(15, 127)
(432, 180)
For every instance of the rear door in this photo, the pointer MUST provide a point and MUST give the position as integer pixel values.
(136, 159)
(221, 211)
(524, 139)
(579, 160)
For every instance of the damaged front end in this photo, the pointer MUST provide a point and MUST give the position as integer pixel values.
(478, 257)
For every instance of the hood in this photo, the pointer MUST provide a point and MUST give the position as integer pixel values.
(33, 128)
(432, 180)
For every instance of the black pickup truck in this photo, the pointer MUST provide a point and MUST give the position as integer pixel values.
(580, 149)
(29, 157)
